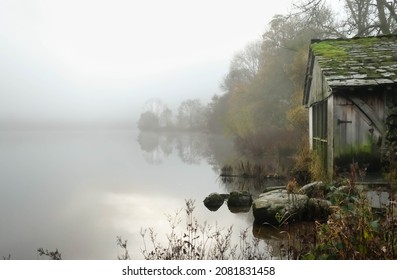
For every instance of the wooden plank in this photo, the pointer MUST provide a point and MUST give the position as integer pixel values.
(367, 110)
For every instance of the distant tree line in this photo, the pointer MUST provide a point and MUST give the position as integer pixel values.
(157, 116)
(261, 101)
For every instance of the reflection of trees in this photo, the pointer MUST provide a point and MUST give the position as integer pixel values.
(192, 147)
(155, 147)
(148, 141)
(217, 150)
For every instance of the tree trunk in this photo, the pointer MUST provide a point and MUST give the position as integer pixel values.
(383, 24)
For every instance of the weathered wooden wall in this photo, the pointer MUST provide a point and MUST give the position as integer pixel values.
(358, 133)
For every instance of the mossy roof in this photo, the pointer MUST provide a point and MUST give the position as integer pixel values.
(365, 61)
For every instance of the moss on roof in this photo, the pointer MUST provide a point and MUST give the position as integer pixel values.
(329, 50)
(357, 61)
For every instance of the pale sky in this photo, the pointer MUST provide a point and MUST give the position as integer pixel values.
(101, 60)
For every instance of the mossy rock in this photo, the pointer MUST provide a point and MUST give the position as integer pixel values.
(239, 202)
(279, 206)
(239, 199)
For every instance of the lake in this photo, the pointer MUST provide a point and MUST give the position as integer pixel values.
(78, 190)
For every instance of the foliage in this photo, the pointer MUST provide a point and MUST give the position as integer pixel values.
(354, 232)
(148, 121)
(308, 165)
(264, 87)
(52, 255)
(191, 115)
(123, 245)
(199, 242)
(156, 116)
(216, 114)
(317, 168)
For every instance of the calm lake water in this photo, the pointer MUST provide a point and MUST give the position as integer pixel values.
(78, 190)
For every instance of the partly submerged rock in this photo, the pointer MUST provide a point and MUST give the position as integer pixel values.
(237, 198)
(239, 201)
(278, 206)
(214, 201)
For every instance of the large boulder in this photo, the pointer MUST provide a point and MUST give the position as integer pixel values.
(278, 206)
(239, 201)
(214, 201)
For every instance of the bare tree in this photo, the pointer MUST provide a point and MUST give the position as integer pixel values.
(319, 17)
(387, 16)
(244, 67)
(191, 115)
(361, 18)
(160, 110)
(248, 60)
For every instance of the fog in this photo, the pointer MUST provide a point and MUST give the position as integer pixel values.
(92, 62)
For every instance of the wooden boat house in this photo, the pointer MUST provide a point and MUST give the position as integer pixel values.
(351, 93)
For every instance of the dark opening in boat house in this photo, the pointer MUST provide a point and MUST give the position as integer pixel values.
(351, 93)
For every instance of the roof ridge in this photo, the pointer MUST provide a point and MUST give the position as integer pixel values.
(318, 40)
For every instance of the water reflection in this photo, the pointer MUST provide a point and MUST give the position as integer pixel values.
(155, 147)
(288, 240)
(191, 148)
(78, 190)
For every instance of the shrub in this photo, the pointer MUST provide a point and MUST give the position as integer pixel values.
(354, 232)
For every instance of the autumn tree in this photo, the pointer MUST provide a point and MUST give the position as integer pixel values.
(243, 72)
(264, 86)
(216, 114)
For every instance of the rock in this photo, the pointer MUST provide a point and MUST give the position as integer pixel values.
(269, 189)
(243, 198)
(214, 201)
(239, 202)
(315, 189)
(224, 196)
(278, 206)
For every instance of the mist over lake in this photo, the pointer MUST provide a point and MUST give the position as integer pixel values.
(78, 190)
